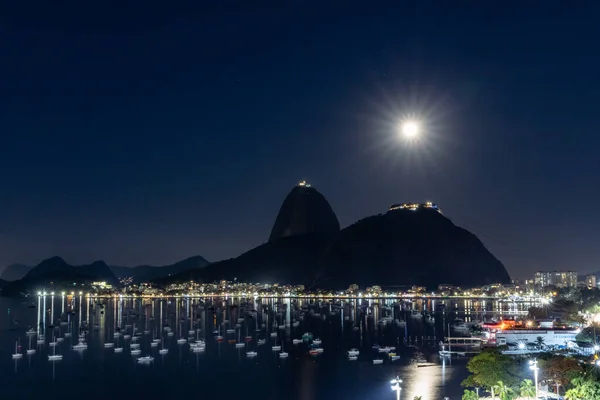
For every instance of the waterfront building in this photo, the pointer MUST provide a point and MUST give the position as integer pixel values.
(590, 281)
(561, 279)
(550, 337)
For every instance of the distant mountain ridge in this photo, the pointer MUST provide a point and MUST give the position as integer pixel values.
(57, 272)
(147, 272)
(14, 272)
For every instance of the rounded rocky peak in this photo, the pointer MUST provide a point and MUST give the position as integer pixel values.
(304, 211)
(55, 261)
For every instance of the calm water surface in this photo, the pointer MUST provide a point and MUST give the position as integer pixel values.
(222, 370)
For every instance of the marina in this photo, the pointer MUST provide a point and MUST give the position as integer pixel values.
(166, 341)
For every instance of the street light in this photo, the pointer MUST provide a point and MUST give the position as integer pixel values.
(396, 387)
(534, 367)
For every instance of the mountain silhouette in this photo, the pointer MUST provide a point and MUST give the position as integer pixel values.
(410, 247)
(100, 270)
(304, 211)
(144, 273)
(288, 259)
(56, 273)
(14, 272)
(401, 247)
(49, 267)
(404, 246)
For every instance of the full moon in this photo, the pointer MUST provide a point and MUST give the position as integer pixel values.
(410, 129)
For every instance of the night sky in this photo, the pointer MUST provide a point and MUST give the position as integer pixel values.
(147, 135)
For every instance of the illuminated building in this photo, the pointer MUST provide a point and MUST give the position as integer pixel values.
(415, 206)
(590, 281)
(557, 278)
(101, 285)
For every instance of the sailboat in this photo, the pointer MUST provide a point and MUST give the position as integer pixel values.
(274, 333)
(239, 343)
(30, 351)
(80, 346)
(163, 351)
(283, 354)
(199, 345)
(275, 347)
(54, 356)
(230, 330)
(145, 360)
(126, 336)
(256, 328)
(109, 345)
(155, 341)
(68, 332)
(117, 336)
(248, 338)
(219, 337)
(17, 355)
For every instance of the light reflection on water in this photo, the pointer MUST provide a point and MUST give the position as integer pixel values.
(222, 370)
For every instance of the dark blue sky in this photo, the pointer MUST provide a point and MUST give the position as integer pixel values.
(147, 134)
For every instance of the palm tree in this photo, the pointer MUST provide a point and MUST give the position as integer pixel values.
(504, 392)
(469, 395)
(540, 342)
(527, 389)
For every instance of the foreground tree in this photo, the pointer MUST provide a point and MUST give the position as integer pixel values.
(583, 389)
(469, 395)
(561, 370)
(527, 389)
(490, 367)
(504, 392)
